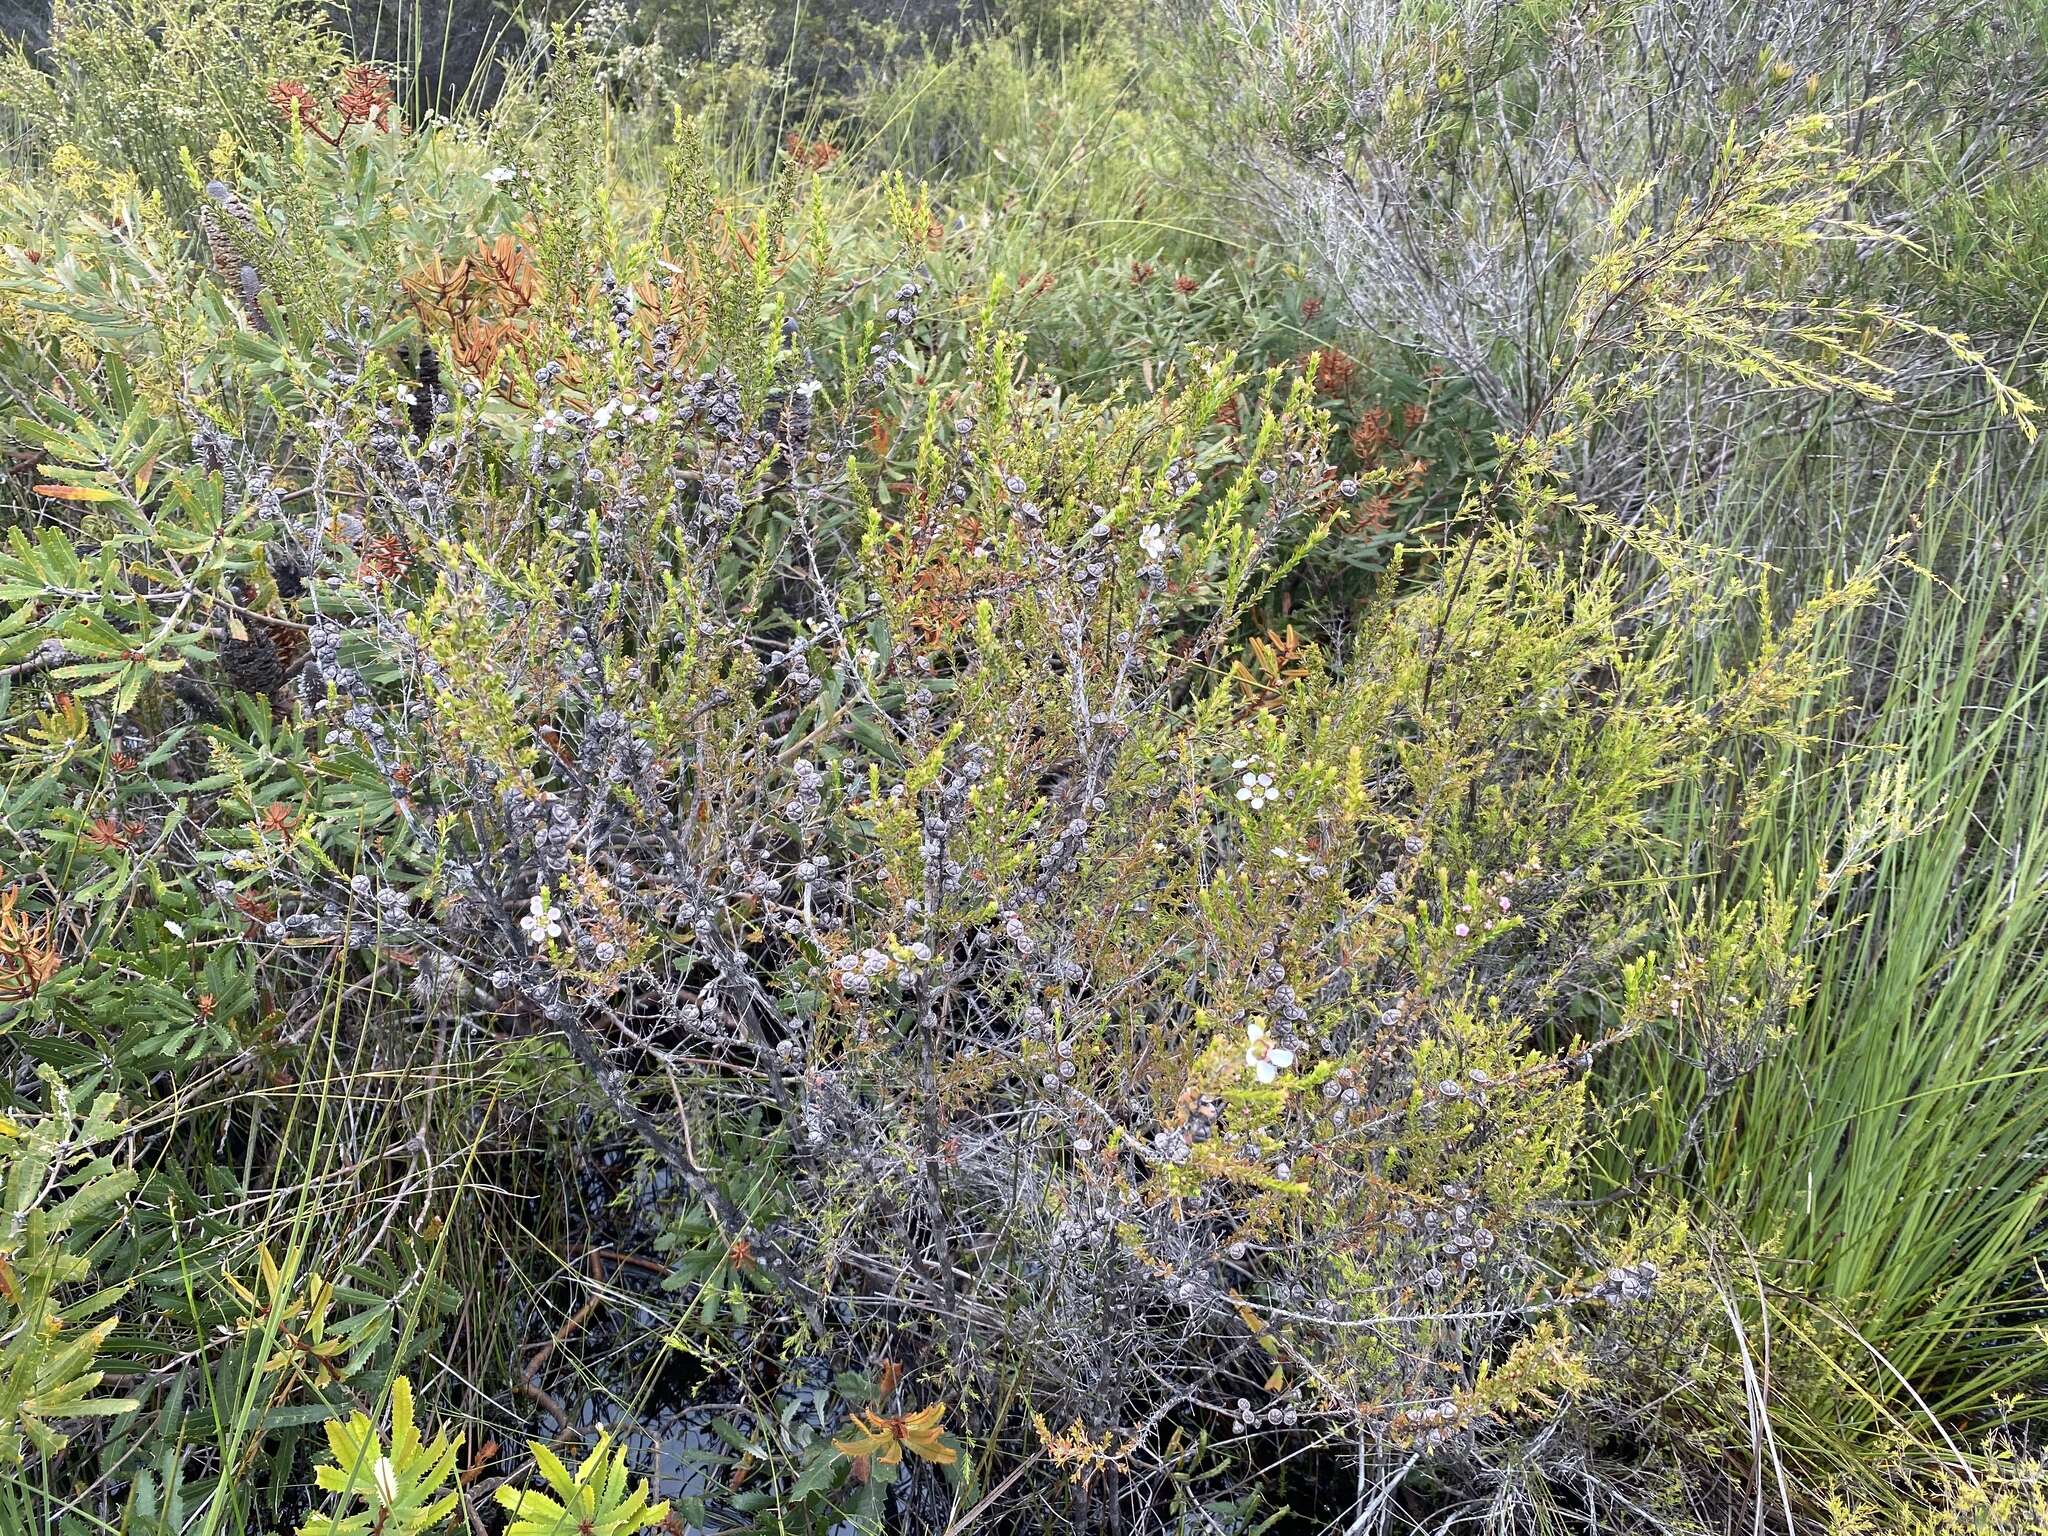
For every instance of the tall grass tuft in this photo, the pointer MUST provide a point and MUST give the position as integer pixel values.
(1887, 1157)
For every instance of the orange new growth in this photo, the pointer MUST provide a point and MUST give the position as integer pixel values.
(885, 1437)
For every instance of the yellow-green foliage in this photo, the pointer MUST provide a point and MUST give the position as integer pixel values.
(56, 1204)
(149, 84)
(1665, 287)
(2006, 1496)
(403, 1488)
(599, 1496)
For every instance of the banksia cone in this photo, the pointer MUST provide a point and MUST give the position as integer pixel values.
(427, 370)
(263, 655)
(289, 575)
(268, 653)
(251, 664)
(291, 646)
(787, 418)
(195, 698)
(797, 416)
(236, 274)
(227, 261)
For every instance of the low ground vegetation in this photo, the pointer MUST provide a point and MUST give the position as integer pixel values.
(1016, 785)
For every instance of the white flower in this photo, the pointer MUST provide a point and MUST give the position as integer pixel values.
(1266, 1059)
(1154, 542)
(550, 422)
(1256, 790)
(543, 918)
(498, 175)
(602, 416)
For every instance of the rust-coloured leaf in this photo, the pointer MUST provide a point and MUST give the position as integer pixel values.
(78, 493)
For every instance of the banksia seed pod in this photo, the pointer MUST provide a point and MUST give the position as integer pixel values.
(798, 415)
(227, 261)
(290, 644)
(249, 658)
(194, 697)
(787, 418)
(292, 654)
(289, 577)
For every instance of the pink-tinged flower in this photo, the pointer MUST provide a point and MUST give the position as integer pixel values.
(1266, 1059)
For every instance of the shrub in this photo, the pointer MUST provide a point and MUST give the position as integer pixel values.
(149, 85)
(1458, 172)
(515, 676)
(574, 644)
(2009, 1495)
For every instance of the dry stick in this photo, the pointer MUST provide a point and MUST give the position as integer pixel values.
(732, 968)
(52, 653)
(548, 1401)
(592, 1057)
(630, 1260)
(527, 1386)
(729, 1218)
(1382, 1500)
(974, 1514)
(928, 1080)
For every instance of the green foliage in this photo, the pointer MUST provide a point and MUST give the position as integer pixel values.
(709, 1264)
(89, 608)
(598, 1497)
(59, 1199)
(1984, 252)
(401, 1490)
(1775, 193)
